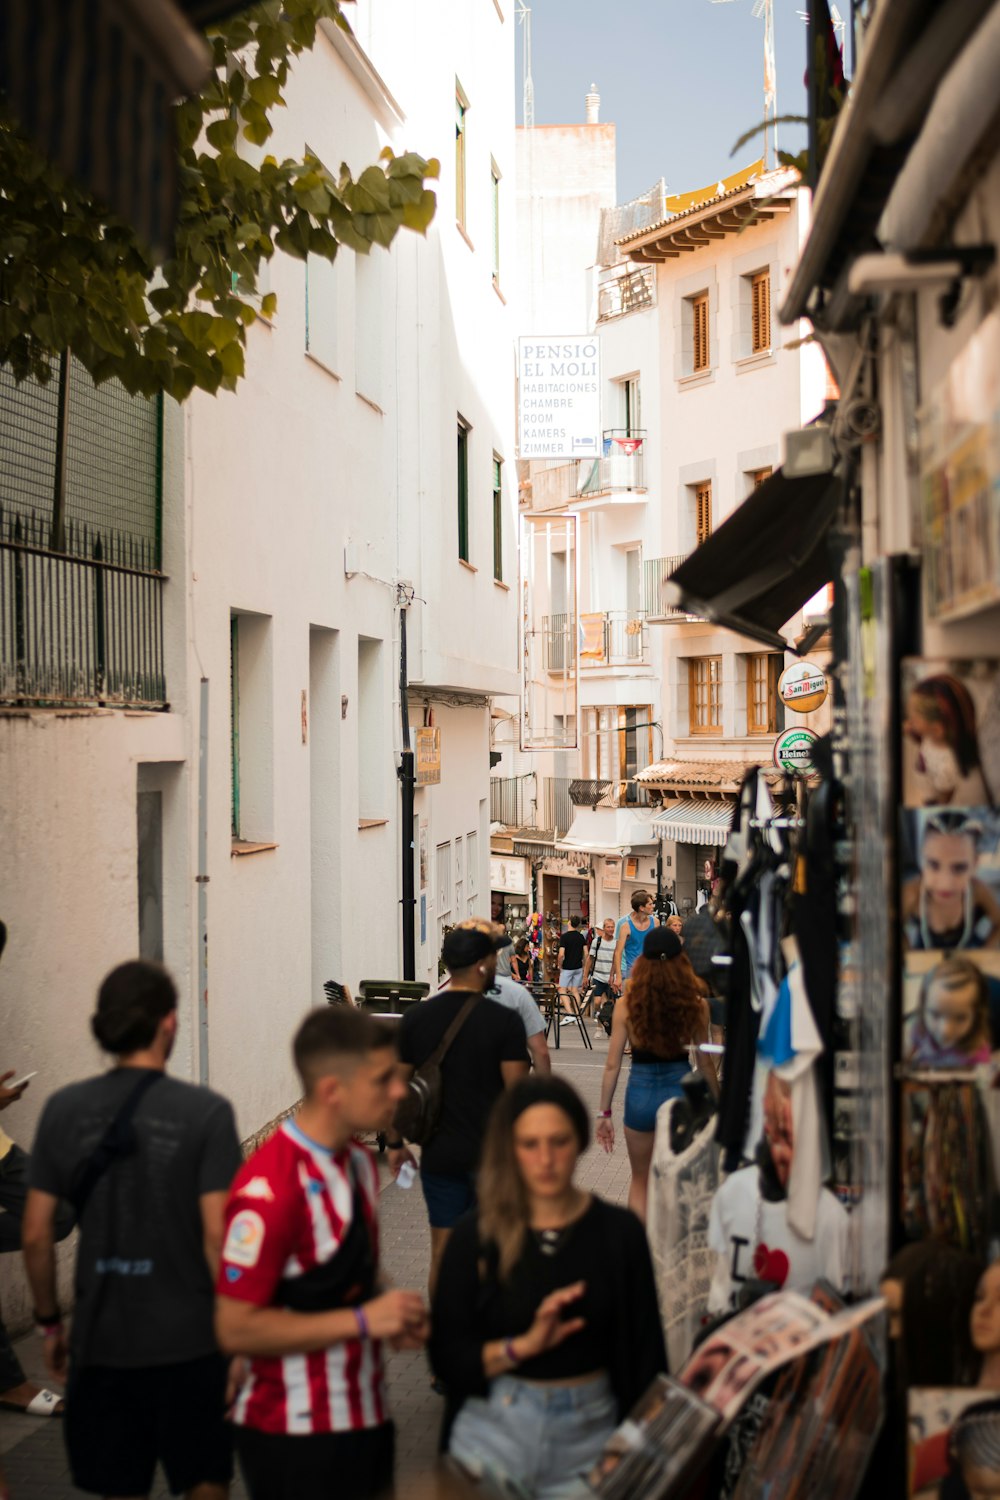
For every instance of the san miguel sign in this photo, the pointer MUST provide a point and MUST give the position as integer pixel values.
(559, 397)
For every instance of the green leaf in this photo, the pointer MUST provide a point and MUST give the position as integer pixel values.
(222, 134)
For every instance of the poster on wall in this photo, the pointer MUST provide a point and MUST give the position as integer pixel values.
(951, 732)
(959, 434)
(949, 859)
(559, 396)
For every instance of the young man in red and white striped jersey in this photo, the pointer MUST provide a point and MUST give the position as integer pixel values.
(298, 1288)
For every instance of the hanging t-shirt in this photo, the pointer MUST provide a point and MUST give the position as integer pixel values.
(753, 1239)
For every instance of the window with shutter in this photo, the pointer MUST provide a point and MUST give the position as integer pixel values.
(703, 512)
(699, 323)
(763, 671)
(759, 476)
(705, 695)
(761, 307)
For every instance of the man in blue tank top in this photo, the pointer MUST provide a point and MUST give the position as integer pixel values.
(631, 935)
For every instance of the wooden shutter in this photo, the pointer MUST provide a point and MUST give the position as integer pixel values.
(699, 317)
(761, 287)
(760, 476)
(703, 516)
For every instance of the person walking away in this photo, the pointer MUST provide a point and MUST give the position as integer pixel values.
(545, 1326)
(599, 963)
(298, 1287)
(486, 1055)
(661, 1013)
(631, 935)
(147, 1161)
(572, 947)
(514, 996)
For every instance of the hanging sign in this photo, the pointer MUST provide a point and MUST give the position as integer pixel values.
(793, 750)
(427, 744)
(559, 396)
(803, 687)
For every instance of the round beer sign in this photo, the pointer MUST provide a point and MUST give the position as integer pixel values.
(793, 750)
(802, 687)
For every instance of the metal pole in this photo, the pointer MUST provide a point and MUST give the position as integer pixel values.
(202, 882)
(57, 532)
(407, 785)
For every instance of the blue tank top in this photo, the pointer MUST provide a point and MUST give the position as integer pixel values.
(633, 944)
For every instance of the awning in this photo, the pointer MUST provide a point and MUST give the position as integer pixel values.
(765, 561)
(611, 831)
(694, 822)
(93, 87)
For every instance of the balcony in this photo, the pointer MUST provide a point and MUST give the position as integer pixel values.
(79, 629)
(631, 292)
(617, 638)
(614, 638)
(656, 604)
(619, 469)
(555, 489)
(531, 801)
(625, 793)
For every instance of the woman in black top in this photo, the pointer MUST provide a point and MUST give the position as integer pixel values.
(520, 962)
(662, 1013)
(546, 1328)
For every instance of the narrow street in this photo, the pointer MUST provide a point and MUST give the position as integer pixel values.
(32, 1449)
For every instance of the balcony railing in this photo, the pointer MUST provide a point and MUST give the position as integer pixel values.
(617, 638)
(655, 573)
(601, 793)
(620, 467)
(531, 801)
(630, 292)
(84, 626)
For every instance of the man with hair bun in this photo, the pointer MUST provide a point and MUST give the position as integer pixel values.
(146, 1160)
(299, 1289)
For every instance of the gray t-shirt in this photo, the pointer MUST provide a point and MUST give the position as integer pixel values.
(515, 997)
(141, 1238)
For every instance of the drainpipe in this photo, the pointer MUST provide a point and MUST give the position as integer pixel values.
(407, 785)
(201, 880)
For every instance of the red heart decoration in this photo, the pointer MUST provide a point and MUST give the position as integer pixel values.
(771, 1265)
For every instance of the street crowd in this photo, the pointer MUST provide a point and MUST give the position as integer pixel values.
(227, 1306)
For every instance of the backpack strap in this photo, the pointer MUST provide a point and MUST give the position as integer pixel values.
(116, 1142)
(437, 1056)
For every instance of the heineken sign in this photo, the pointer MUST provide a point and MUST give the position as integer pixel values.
(793, 750)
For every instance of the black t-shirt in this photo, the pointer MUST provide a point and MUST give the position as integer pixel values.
(141, 1235)
(573, 944)
(607, 1249)
(470, 1074)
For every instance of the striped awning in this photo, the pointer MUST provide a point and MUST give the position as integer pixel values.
(692, 821)
(92, 85)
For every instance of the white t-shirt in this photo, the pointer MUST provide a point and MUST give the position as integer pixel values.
(515, 997)
(604, 948)
(767, 1248)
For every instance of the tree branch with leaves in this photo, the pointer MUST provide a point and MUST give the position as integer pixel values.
(72, 275)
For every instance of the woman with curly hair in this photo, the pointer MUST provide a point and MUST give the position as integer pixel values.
(661, 1013)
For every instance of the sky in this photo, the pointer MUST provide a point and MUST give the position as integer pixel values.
(681, 79)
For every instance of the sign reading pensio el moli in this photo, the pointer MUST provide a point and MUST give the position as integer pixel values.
(559, 396)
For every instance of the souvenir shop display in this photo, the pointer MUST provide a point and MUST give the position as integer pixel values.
(950, 878)
(683, 1179)
(954, 1444)
(821, 1420)
(951, 733)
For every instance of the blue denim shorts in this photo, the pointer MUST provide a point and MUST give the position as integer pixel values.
(447, 1198)
(649, 1086)
(535, 1442)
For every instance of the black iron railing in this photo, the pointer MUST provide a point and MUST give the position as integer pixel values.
(82, 625)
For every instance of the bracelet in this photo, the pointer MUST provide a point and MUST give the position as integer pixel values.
(509, 1352)
(604, 1114)
(48, 1320)
(49, 1330)
(395, 1145)
(364, 1331)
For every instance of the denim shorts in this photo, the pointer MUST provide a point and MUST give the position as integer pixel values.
(649, 1086)
(536, 1441)
(447, 1198)
(570, 979)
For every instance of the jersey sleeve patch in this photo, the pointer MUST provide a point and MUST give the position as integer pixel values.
(245, 1239)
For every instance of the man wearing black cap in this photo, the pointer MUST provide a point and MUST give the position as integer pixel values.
(486, 1056)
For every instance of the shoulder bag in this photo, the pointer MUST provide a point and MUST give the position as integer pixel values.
(417, 1115)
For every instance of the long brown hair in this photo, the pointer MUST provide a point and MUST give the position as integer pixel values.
(666, 1005)
(504, 1209)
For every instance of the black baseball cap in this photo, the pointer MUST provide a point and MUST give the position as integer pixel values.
(662, 942)
(472, 940)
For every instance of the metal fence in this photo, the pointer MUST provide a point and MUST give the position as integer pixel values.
(77, 629)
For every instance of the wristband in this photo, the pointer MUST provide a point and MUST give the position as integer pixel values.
(49, 1330)
(604, 1114)
(508, 1349)
(364, 1331)
(48, 1320)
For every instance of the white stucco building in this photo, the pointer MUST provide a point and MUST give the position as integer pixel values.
(271, 541)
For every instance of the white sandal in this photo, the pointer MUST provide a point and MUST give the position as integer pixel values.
(44, 1404)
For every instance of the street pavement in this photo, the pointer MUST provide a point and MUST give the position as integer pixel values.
(32, 1451)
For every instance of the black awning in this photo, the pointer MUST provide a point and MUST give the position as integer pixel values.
(767, 560)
